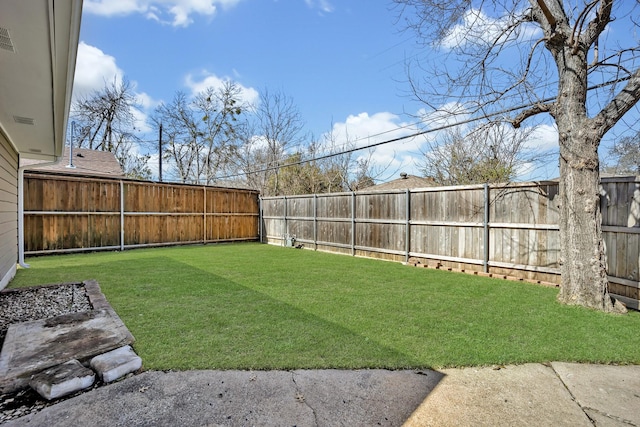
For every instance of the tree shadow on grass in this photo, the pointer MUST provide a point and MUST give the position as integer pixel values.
(186, 318)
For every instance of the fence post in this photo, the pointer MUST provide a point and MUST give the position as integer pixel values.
(260, 214)
(485, 261)
(286, 228)
(315, 222)
(204, 216)
(353, 223)
(121, 215)
(407, 237)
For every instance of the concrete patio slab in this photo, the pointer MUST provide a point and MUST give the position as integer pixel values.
(524, 395)
(609, 394)
(521, 395)
(243, 398)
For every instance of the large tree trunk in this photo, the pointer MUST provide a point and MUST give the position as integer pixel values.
(583, 260)
(582, 253)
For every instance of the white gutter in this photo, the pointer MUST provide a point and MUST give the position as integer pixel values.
(21, 170)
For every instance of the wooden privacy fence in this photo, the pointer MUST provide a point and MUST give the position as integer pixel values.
(503, 229)
(69, 213)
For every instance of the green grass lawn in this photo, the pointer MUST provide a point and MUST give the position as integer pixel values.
(254, 306)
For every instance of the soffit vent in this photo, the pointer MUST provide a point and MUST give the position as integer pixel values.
(24, 120)
(5, 40)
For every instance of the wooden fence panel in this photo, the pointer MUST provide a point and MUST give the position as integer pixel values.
(505, 229)
(447, 223)
(379, 221)
(620, 207)
(524, 228)
(71, 231)
(67, 195)
(334, 232)
(69, 213)
(334, 206)
(334, 216)
(300, 212)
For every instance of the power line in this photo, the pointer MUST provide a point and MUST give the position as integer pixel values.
(376, 144)
(416, 134)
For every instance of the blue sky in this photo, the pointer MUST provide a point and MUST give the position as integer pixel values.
(333, 61)
(341, 61)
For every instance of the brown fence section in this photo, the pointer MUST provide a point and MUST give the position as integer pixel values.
(69, 213)
(502, 229)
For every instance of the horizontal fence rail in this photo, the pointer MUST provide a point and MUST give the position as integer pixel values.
(66, 213)
(503, 229)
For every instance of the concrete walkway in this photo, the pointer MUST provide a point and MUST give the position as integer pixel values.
(559, 394)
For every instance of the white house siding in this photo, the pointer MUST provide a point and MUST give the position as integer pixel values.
(8, 212)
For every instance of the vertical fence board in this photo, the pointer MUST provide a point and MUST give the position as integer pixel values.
(69, 213)
(446, 225)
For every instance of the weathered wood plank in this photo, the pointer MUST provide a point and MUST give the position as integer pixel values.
(155, 213)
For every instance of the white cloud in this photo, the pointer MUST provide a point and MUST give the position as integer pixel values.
(146, 105)
(543, 138)
(94, 68)
(180, 11)
(363, 129)
(477, 28)
(542, 145)
(206, 80)
(114, 7)
(323, 5)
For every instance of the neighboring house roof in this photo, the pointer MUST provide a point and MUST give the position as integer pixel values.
(617, 175)
(85, 162)
(38, 46)
(405, 181)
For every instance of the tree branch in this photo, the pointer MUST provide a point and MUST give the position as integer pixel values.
(536, 109)
(620, 105)
(598, 24)
(547, 14)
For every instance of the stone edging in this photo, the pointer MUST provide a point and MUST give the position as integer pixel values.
(99, 302)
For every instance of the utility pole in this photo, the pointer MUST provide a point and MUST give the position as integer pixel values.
(160, 153)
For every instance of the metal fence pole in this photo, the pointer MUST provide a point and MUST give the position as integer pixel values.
(286, 228)
(353, 223)
(315, 222)
(407, 237)
(260, 219)
(485, 261)
(121, 215)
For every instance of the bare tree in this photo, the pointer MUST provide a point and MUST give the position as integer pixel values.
(491, 153)
(107, 122)
(626, 152)
(278, 127)
(200, 133)
(509, 53)
(180, 134)
(248, 163)
(348, 169)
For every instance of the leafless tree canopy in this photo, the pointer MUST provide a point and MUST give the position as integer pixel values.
(106, 122)
(626, 153)
(200, 133)
(541, 57)
(491, 153)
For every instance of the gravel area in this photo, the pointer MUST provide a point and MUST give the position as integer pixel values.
(21, 305)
